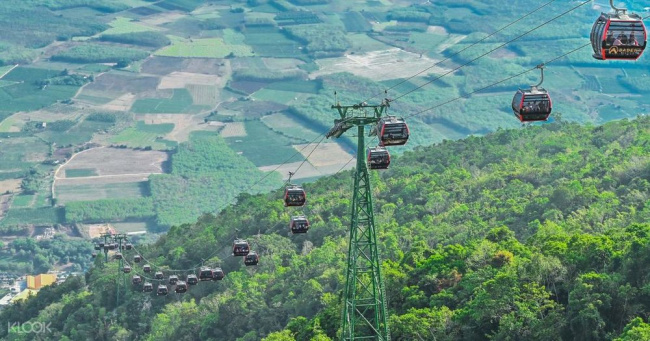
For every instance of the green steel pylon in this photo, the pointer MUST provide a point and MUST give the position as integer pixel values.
(364, 306)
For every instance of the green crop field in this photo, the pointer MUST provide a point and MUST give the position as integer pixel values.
(21, 152)
(269, 42)
(33, 216)
(80, 172)
(126, 25)
(128, 227)
(127, 190)
(146, 135)
(278, 96)
(22, 200)
(290, 126)
(261, 145)
(202, 48)
(179, 103)
(313, 86)
(6, 124)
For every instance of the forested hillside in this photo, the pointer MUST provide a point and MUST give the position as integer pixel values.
(539, 233)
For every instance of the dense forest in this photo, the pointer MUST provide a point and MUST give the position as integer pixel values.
(539, 233)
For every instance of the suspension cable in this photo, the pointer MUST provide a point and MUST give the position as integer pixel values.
(470, 46)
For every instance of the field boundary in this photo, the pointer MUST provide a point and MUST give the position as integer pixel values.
(4, 74)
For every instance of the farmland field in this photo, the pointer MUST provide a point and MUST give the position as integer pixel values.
(261, 145)
(126, 190)
(233, 129)
(22, 200)
(127, 25)
(207, 95)
(10, 185)
(268, 42)
(202, 48)
(79, 172)
(145, 135)
(28, 216)
(115, 162)
(289, 126)
(180, 102)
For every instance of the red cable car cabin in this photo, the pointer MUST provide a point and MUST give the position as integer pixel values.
(299, 224)
(294, 195)
(251, 259)
(392, 131)
(240, 248)
(181, 287)
(218, 274)
(532, 105)
(618, 36)
(378, 158)
(192, 279)
(205, 274)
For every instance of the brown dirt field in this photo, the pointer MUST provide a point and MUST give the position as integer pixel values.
(122, 103)
(176, 80)
(377, 64)
(158, 65)
(114, 161)
(208, 66)
(96, 230)
(183, 124)
(327, 154)
(12, 185)
(437, 30)
(234, 129)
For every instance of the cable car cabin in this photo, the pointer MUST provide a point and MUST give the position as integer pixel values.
(137, 259)
(158, 275)
(218, 274)
(112, 246)
(126, 269)
(299, 224)
(392, 131)
(136, 279)
(147, 287)
(532, 105)
(162, 290)
(251, 259)
(129, 246)
(205, 274)
(98, 247)
(101, 246)
(294, 195)
(192, 279)
(618, 36)
(117, 255)
(94, 254)
(181, 287)
(378, 158)
(146, 268)
(173, 279)
(240, 248)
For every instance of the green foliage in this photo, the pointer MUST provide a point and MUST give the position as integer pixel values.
(206, 176)
(96, 53)
(146, 38)
(109, 210)
(320, 38)
(102, 117)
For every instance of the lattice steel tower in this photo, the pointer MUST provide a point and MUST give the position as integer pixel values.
(364, 308)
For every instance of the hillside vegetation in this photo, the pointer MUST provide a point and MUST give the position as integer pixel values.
(538, 233)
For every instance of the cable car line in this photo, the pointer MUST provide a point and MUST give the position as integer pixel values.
(500, 46)
(471, 45)
(496, 83)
